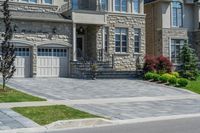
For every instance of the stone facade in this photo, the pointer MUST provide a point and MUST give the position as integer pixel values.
(168, 34)
(125, 61)
(160, 29)
(34, 34)
(55, 29)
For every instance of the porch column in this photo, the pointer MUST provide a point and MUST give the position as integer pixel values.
(103, 44)
(74, 43)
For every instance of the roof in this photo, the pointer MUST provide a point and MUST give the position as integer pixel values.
(43, 16)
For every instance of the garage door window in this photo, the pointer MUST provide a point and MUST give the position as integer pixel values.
(22, 52)
(60, 52)
(44, 52)
(57, 52)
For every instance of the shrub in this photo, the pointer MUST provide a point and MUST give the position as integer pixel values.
(182, 82)
(172, 80)
(149, 64)
(163, 65)
(163, 79)
(149, 76)
(189, 63)
(176, 74)
(156, 77)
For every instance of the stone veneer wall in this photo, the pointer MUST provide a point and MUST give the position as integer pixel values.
(18, 6)
(168, 34)
(36, 33)
(124, 61)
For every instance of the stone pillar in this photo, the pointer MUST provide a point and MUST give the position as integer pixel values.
(74, 43)
(34, 61)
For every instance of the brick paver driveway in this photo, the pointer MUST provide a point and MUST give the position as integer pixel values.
(117, 99)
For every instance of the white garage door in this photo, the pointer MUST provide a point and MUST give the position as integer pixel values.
(52, 62)
(22, 62)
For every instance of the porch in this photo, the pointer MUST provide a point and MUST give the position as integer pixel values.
(88, 42)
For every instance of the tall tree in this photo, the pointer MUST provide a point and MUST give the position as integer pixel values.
(7, 67)
(189, 62)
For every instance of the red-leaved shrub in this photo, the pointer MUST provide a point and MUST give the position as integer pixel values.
(159, 64)
(149, 64)
(164, 65)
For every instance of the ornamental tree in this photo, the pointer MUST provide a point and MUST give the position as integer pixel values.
(7, 67)
(189, 63)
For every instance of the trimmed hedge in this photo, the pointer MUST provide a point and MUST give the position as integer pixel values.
(149, 76)
(172, 81)
(182, 82)
(156, 77)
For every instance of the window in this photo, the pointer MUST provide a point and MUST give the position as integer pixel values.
(29, 1)
(57, 52)
(48, 1)
(106, 39)
(177, 14)
(121, 5)
(176, 46)
(136, 5)
(104, 5)
(137, 38)
(121, 39)
(22, 52)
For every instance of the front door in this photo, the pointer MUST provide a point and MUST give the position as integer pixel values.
(80, 48)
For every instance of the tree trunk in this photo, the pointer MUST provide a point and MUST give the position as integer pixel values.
(4, 84)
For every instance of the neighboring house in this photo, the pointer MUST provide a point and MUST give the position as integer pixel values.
(169, 23)
(51, 34)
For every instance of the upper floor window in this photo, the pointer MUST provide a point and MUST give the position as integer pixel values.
(48, 1)
(104, 5)
(136, 6)
(121, 37)
(177, 14)
(29, 1)
(121, 5)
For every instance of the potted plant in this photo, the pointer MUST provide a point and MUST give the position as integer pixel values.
(93, 69)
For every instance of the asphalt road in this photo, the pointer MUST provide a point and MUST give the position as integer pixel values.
(189, 125)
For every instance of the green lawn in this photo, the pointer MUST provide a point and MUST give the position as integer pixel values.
(194, 86)
(11, 95)
(47, 114)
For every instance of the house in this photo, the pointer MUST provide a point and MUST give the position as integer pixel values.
(169, 24)
(52, 36)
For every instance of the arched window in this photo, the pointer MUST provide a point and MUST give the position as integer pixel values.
(177, 14)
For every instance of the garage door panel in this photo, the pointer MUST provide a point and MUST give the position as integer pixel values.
(22, 62)
(52, 62)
